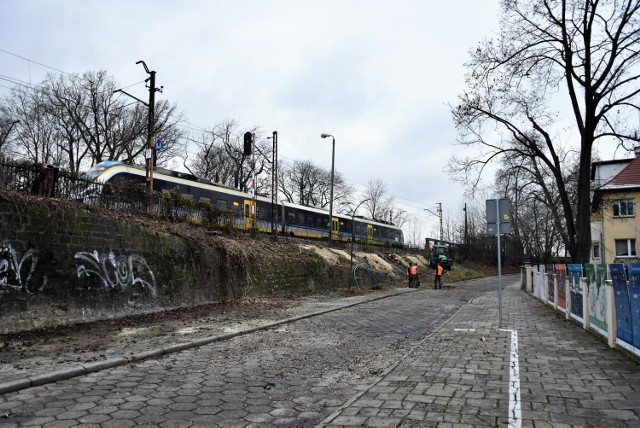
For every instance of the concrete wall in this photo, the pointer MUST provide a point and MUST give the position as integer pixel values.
(63, 265)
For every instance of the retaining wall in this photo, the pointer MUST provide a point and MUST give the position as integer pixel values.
(61, 265)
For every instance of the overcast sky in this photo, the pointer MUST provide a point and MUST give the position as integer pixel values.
(379, 75)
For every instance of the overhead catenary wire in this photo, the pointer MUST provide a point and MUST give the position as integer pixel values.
(33, 61)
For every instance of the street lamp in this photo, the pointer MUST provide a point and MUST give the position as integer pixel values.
(353, 227)
(333, 158)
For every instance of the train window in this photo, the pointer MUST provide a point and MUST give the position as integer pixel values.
(265, 211)
(261, 212)
(221, 203)
(205, 199)
(291, 218)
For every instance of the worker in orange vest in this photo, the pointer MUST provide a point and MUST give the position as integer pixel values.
(437, 284)
(412, 273)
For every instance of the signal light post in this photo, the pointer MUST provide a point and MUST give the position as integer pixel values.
(274, 183)
(249, 151)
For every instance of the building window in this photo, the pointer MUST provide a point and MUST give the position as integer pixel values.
(596, 250)
(623, 208)
(625, 247)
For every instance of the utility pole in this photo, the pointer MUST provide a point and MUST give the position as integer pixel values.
(274, 183)
(440, 215)
(149, 152)
(466, 231)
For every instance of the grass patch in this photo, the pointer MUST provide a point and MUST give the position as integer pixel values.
(463, 273)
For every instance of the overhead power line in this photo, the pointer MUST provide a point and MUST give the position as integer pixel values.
(33, 61)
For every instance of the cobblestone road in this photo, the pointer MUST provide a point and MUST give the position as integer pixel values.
(294, 375)
(422, 358)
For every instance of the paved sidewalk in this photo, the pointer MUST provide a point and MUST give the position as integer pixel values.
(539, 370)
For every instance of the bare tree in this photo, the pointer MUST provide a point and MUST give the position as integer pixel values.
(306, 183)
(413, 235)
(78, 121)
(221, 158)
(33, 133)
(591, 47)
(210, 161)
(537, 220)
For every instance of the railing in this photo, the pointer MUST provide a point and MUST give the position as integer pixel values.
(51, 182)
(44, 180)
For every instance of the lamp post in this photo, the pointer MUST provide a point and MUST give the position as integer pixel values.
(333, 158)
(353, 227)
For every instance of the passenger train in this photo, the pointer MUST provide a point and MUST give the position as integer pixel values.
(291, 219)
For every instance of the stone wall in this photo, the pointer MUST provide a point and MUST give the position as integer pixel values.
(61, 264)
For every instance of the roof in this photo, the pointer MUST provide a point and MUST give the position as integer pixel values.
(627, 179)
(629, 176)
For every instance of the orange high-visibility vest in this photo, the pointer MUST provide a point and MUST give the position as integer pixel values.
(439, 270)
(413, 270)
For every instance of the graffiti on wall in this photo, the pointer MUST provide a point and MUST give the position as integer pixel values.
(117, 272)
(16, 273)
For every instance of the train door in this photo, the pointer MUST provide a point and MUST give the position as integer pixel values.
(247, 214)
(335, 228)
(369, 234)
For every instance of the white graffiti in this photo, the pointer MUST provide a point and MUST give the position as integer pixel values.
(16, 272)
(118, 272)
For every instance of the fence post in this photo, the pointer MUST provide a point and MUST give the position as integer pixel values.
(584, 284)
(555, 291)
(612, 325)
(567, 299)
(528, 279)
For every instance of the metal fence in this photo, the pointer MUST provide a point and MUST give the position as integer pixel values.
(45, 180)
(51, 182)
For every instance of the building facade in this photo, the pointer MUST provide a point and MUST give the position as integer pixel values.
(615, 225)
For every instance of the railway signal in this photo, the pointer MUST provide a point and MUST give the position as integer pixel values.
(248, 142)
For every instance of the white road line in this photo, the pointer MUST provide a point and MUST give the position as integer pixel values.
(515, 415)
(464, 329)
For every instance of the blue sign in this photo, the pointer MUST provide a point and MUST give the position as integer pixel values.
(622, 303)
(159, 145)
(634, 301)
